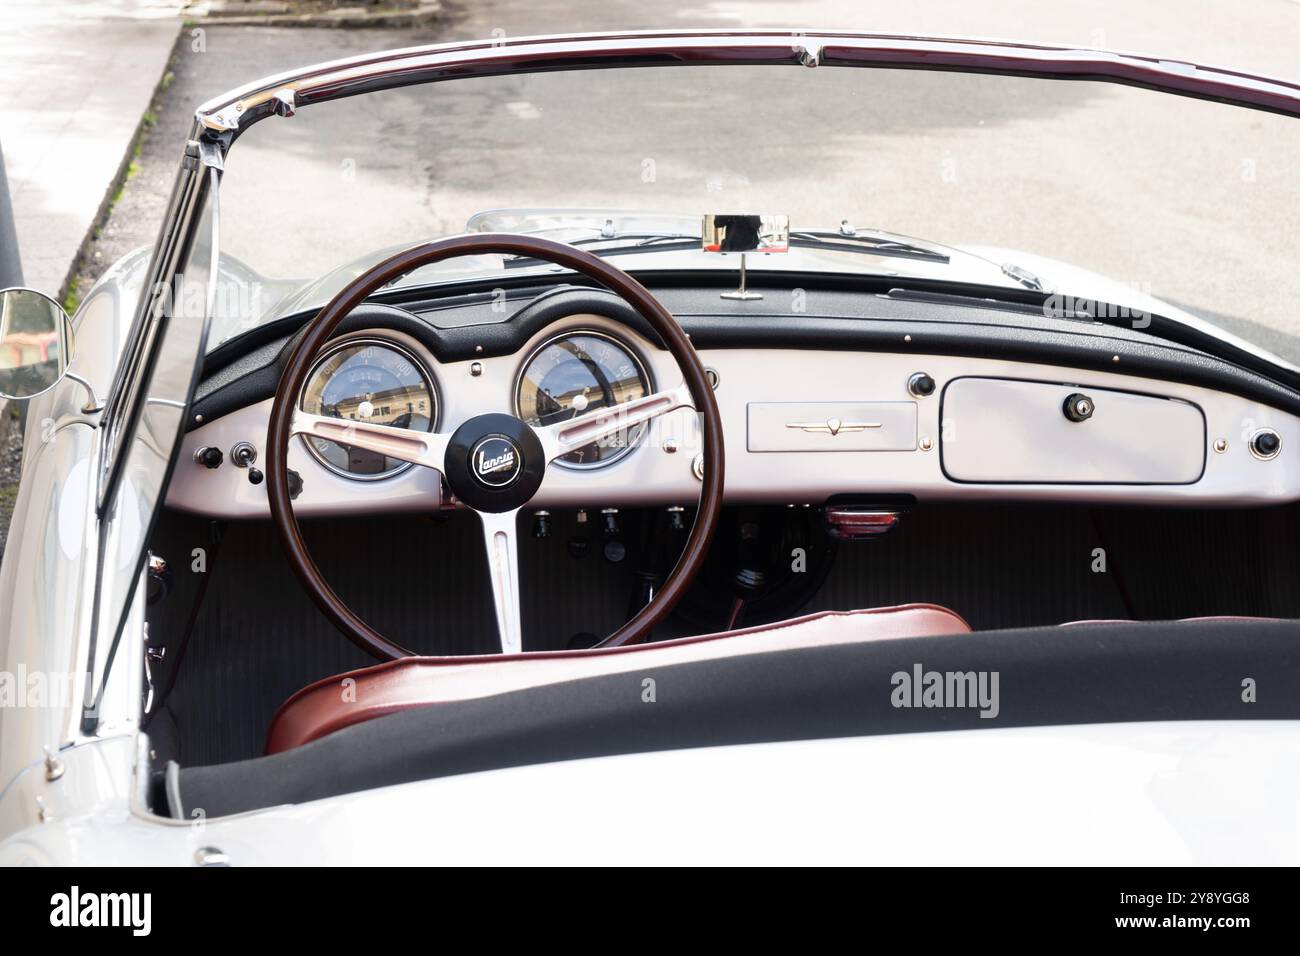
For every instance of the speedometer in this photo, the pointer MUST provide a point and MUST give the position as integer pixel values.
(368, 381)
(576, 373)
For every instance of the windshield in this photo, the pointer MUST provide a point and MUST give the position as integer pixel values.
(1192, 202)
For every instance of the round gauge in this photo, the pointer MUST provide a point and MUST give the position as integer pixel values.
(576, 373)
(368, 381)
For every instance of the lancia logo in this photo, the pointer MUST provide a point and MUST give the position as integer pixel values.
(495, 461)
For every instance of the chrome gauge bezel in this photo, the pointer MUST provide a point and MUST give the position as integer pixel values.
(643, 370)
(430, 382)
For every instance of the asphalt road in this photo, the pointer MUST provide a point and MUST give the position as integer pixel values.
(1190, 201)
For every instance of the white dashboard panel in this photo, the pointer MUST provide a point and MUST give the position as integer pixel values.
(653, 475)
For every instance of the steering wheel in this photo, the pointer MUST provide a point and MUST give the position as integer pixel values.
(493, 463)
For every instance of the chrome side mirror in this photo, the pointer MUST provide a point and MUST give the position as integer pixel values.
(35, 343)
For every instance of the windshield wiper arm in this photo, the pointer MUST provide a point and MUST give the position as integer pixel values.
(1023, 276)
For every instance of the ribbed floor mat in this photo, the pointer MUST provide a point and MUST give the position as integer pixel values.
(996, 567)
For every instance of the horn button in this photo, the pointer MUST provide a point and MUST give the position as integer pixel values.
(494, 463)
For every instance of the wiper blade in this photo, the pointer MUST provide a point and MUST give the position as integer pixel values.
(670, 241)
(642, 239)
(870, 245)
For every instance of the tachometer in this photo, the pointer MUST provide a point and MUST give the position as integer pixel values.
(579, 372)
(368, 381)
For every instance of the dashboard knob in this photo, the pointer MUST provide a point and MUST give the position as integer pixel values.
(541, 524)
(209, 457)
(1078, 407)
(255, 476)
(920, 385)
(295, 484)
(1265, 444)
(243, 454)
(610, 517)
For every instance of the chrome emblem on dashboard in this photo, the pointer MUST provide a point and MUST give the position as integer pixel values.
(495, 461)
(833, 426)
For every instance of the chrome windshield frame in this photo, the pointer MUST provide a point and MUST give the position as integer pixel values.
(189, 193)
(230, 114)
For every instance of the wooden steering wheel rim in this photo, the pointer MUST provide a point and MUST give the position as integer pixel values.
(322, 327)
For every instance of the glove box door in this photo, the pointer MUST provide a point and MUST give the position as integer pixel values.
(999, 430)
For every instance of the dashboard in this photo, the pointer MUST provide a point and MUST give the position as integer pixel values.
(802, 423)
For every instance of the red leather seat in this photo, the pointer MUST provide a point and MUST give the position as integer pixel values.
(333, 703)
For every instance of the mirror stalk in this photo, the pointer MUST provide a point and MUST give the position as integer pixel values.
(94, 404)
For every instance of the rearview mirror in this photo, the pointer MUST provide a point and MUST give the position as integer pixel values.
(35, 343)
(746, 233)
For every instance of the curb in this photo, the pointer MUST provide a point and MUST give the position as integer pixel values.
(423, 14)
(102, 214)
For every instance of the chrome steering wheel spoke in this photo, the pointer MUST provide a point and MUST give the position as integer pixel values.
(500, 535)
(420, 448)
(500, 539)
(564, 437)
